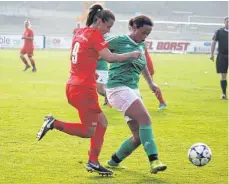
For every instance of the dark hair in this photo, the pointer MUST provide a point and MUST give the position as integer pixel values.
(225, 18)
(140, 21)
(96, 11)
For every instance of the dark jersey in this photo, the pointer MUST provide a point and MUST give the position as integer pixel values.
(221, 36)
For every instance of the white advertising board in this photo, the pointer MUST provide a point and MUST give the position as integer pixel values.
(15, 41)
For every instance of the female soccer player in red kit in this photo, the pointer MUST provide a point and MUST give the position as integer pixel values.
(87, 45)
(28, 47)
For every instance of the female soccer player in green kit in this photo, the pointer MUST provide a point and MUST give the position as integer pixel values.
(123, 94)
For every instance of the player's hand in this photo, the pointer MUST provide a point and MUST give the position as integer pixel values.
(212, 57)
(155, 89)
(136, 54)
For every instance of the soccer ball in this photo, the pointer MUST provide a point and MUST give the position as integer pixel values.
(199, 154)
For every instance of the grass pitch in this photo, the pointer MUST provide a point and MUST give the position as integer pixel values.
(195, 113)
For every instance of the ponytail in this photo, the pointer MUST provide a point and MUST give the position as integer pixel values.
(131, 22)
(92, 13)
(96, 11)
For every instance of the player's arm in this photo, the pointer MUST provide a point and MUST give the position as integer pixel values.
(110, 57)
(103, 47)
(213, 44)
(152, 85)
(28, 37)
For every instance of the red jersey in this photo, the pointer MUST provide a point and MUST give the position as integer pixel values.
(86, 44)
(28, 43)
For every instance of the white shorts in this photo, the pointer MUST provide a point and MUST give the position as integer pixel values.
(103, 76)
(121, 98)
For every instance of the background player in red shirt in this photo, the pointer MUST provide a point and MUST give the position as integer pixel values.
(87, 45)
(150, 67)
(28, 47)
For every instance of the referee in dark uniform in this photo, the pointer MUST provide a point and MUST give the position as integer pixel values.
(221, 36)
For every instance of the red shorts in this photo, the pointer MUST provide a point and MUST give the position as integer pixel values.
(85, 100)
(28, 51)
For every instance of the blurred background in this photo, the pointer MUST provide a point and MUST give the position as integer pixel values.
(174, 20)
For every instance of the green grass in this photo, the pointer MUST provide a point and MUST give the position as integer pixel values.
(195, 113)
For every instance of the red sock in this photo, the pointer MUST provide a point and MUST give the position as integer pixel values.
(32, 62)
(76, 129)
(159, 97)
(24, 61)
(96, 143)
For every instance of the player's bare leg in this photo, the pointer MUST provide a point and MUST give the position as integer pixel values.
(27, 66)
(102, 91)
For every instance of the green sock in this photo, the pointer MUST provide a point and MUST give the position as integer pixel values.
(146, 137)
(125, 149)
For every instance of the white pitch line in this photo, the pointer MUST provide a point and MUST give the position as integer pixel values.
(189, 87)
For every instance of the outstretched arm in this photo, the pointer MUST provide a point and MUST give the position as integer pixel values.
(28, 38)
(152, 85)
(212, 49)
(214, 40)
(110, 57)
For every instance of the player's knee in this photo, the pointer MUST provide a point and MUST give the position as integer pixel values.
(89, 135)
(21, 56)
(101, 90)
(136, 140)
(144, 119)
(90, 132)
(223, 76)
(103, 120)
(149, 121)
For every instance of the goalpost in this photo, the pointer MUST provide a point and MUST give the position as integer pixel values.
(177, 36)
(195, 31)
